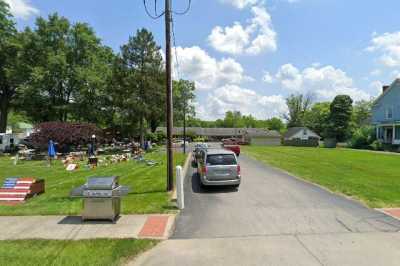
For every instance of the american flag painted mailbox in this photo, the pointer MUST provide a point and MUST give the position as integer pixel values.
(18, 189)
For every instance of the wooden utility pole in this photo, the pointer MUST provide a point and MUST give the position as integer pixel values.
(170, 154)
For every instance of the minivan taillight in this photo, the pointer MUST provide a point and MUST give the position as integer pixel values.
(238, 169)
(204, 170)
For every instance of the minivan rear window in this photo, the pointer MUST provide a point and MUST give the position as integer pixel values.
(221, 159)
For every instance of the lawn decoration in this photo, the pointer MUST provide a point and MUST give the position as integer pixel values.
(16, 189)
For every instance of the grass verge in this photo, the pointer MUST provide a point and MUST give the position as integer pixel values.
(373, 178)
(147, 183)
(70, 252)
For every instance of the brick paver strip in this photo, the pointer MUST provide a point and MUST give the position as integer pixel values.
(10, 203)
(394, 212)
(154, 226)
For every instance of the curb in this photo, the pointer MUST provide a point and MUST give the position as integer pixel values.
(387, 212)
(184, 173)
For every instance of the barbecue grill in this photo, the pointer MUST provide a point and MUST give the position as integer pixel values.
(101, 198)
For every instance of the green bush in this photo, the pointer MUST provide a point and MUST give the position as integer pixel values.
(200, 139)
(376, 145)
(157, 137)
(363, 138)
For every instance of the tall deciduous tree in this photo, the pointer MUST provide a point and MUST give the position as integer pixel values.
(183, 94)
(70, 70)
(341, 110)
(143, 62)
(317, 118)
(275, 124)
(10, 78)
(361, 114)
(298, 105)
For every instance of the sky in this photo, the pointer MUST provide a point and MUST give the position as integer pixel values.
(249, 55)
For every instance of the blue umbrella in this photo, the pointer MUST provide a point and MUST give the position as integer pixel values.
(51, 149)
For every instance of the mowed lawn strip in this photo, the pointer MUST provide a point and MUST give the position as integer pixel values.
(148, 185)
(374, 178)
(70, 252)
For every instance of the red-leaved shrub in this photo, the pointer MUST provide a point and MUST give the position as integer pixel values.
(64, 133)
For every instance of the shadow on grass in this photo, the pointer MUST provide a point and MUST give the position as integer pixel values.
(170, 208)
(197, 187)
(75, 219)
(147, 192)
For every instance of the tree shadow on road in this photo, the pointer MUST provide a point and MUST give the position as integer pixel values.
(198, 188)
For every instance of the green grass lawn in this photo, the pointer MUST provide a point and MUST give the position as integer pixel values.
(371, 177)
(68, 252)
(148, 185)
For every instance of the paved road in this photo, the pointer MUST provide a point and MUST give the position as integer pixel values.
(276, 219)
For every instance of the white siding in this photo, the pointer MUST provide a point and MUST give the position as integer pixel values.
(260, 141)
(300, 135)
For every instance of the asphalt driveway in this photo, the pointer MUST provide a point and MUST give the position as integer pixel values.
(276, 219)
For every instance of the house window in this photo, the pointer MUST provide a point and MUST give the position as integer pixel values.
(304, 132)
(380, 132)
(397, 132)
(389, 113)
(1, 139)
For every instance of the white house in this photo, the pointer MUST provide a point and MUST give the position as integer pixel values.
(6, 140)
(302, 133)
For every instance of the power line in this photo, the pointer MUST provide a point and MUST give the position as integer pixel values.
(155, 11)
(185, 11)
(157, 16)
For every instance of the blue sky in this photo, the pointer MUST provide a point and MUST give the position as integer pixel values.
(248, 55)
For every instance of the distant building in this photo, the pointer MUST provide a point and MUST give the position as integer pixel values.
(256, 136)
(386, 114)
(251, 135)
(24, 129)
(301, 136)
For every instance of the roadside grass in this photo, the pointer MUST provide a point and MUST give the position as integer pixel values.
(373, 178)
(69, 252)
(147, 183)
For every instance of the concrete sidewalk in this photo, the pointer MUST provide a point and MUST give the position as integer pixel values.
(157, 226)
(345, 249)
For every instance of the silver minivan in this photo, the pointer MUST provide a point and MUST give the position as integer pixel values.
(219, 168)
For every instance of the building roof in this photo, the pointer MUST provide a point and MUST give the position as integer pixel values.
(294, 130)
(23, 125)
(394, 83)
(258, 132)
(224, 132)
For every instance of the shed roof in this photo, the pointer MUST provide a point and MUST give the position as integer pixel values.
(294, 130)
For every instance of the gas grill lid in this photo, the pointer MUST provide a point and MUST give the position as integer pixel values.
(102, 182)
(77, 192)
(120, 191)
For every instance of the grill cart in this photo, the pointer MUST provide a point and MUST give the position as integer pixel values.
(101, 198)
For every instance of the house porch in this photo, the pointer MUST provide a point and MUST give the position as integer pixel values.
(388, 133)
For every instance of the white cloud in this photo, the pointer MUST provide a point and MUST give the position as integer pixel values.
(395, 74)
(324, 82)
(267, 78)
(207, 72)
(22, 8)
(376, 72)
(376, 87)
(241, 3)
(388, 44)
(229, 39)
(256, 37)
(235, 98)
